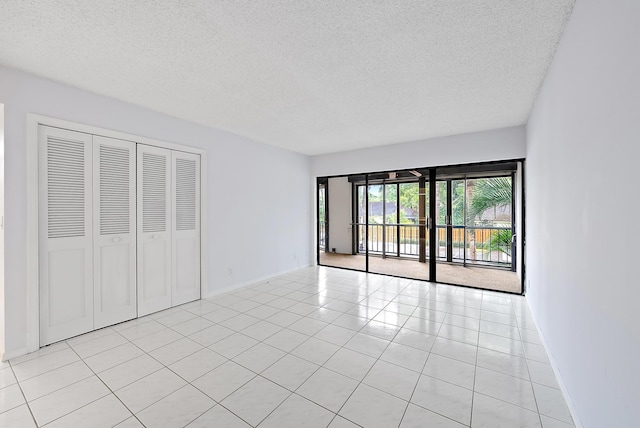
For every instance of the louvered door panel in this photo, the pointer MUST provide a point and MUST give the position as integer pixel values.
(114, 202)
(186, 227)
(65, 237)
(154, 229)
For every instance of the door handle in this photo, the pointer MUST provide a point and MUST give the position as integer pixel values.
(513, 238)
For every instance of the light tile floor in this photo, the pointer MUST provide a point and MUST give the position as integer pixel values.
(319, 347)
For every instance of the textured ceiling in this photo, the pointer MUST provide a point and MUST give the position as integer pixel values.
(308, 75)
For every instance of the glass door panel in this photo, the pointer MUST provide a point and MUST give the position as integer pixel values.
(361, 219)
(442, 220)
(375, 240)
(488, 221)
(456, 221)
(395, 230)
(408, 222)
(322, 221)
(391, 220)
(479, 230)
(342, 235)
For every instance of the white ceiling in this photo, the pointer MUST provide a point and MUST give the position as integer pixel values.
(311, 76)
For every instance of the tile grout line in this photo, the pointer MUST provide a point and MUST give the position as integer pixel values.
(286, 353)
(156, 371)
(302, 287)
(419, 374)
(378, 359)
(24, 397)
(335, 414)
(422, 374)
(389, 302)
(124, 362)
(322, 366)
(87, 404)
(535, 398)
(232, 360)
(110, 390)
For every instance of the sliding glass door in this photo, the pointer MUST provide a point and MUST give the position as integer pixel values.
(393, 226)
(451, 224)
(339, 246)
(475, 231)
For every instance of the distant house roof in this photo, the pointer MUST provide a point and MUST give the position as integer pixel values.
(497, 213)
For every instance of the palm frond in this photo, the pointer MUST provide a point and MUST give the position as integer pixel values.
(489, 193)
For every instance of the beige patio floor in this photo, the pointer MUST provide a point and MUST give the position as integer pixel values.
(480, 277)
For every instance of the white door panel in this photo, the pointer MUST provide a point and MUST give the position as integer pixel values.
(185, 227)
(154, 277)
(154, 229)
(114, 202)
(66, 235)
(68, 296)
(186, 286)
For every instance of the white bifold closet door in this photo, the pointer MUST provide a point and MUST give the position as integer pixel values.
(65, 234)
(119, 231)
(114, 226)
(154, 229)
(185, 190)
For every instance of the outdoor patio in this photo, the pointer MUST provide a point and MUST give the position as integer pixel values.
(451, 273)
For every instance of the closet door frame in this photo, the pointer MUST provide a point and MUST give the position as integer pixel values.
(33, 207)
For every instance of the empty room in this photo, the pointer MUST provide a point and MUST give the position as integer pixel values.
(322, 214)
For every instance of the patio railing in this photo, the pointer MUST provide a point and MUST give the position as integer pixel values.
(401, 239)
(490, 245)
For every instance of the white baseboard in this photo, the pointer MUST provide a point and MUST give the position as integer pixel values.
(554, 366)
(252, 282)
(7, 355)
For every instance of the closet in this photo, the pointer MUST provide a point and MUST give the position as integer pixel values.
(119, 231)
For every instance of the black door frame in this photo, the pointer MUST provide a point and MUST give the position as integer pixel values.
(430, 222)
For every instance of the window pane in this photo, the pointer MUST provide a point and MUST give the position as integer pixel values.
(489, 220)
(457, 202)
(375, 204)
(361, 205)
(409, 201)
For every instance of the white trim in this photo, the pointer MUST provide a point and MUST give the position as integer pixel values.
(33, 305)
(255, 281)
(94, 130)
(17, 353)
(563, 387)
(33, 121)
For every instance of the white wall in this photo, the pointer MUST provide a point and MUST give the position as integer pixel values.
(259, 213)
(499, 144)
(2, 323)
(340, 230)
(583, 141)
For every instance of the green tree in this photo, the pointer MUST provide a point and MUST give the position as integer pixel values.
(321, 203)
(409, 198)
(490, 193)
